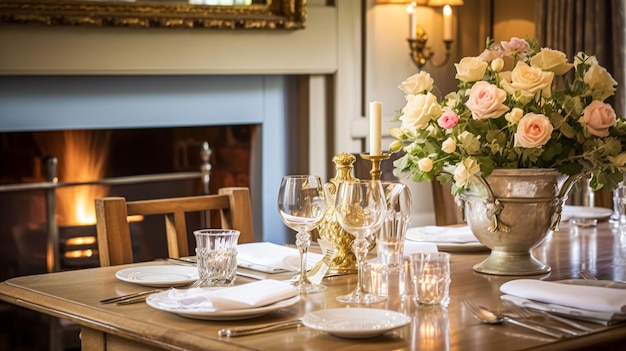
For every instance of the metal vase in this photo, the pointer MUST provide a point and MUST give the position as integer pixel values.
(512, 211)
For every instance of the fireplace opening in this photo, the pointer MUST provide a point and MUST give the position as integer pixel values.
(90, 156)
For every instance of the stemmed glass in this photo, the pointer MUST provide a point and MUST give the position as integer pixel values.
(359, 207)
(302, 206)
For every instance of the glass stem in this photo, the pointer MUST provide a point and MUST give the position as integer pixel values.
(303, 241)
(360, 251)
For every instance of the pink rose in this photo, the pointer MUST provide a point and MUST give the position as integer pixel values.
(448, 120)
(533, 130)
(515, 46)
(598, 117)
(486, 101)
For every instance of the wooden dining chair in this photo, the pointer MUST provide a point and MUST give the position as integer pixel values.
(113, 229)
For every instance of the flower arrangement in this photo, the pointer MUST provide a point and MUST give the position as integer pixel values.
(545, 112)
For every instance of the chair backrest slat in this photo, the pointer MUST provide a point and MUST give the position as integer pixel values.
(114, 239)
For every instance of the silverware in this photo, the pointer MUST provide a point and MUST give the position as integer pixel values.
(486, 316)
(524, 313)
(258, 329)
(129, 298)
(586, 275)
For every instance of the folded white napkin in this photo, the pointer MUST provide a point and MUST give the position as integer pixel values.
(272, 255)
(592, 298)
(252, 295)
(441, 234)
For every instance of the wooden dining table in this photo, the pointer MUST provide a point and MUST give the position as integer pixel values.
(75, 295)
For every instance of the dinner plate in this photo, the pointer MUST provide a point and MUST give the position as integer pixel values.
(570, 212)
(454, 242)
(223, 315)
(355, 323)
(159, 276)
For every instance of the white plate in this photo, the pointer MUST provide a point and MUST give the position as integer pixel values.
(570, 212)
(454, 238)
(224, 315)
(159, 276)
(355, 323)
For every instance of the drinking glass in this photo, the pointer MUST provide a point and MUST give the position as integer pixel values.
(359, 207)
(396, 219)
(302, 206)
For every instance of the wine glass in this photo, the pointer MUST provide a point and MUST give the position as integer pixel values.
(359, 207)
(302, 206)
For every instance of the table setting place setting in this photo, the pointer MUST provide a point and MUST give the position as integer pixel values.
(407, 262)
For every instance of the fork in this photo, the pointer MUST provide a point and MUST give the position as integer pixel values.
(586, 275)
(129, 298)
(526, 314)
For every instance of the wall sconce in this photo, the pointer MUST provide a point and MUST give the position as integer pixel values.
(421, 53)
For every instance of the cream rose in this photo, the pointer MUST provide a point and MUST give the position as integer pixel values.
(425, 164)
(465, 170)
(598, 117)
(551, 60)
(486, 101)
(497, 64)
(600, 81)
(470, 69)
(515, 115)
(530, 80)
(448, 146)
(619, 160)
(533, 130)
(417, 84)
(418, 111)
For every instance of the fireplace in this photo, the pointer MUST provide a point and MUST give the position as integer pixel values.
(245, 119)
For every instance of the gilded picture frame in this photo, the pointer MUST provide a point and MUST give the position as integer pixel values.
(273, 14)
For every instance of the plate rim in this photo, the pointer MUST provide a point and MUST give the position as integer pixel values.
(351, 333)
(607, 212)
(193, 271)
(230, 314)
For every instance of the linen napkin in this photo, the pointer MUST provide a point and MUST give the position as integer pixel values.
(252, 295)
(583, 297)
(262, 255)
(442, 234)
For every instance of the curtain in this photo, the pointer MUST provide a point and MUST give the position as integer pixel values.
(595, 27)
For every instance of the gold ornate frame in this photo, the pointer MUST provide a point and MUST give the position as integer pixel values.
(274, 14)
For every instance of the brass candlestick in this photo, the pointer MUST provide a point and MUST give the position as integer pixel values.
(376, 160)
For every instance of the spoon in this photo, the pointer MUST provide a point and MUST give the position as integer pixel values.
(486, 316)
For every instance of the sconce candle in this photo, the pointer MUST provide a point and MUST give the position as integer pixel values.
(447, 22)
(412, 21)
(375, 128)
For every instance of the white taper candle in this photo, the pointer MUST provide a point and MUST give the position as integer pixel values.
(376, 137)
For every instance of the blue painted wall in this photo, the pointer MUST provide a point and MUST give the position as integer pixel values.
(35, 103)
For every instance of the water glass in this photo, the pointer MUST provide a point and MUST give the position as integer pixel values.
(619, 206)
(396, 219)
(430, 275)
(216, 254)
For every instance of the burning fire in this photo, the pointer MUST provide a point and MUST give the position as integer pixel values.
(82, 158)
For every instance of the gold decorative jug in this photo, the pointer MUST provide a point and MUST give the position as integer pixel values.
(343, 261)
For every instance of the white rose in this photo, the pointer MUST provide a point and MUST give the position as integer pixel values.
(465, 170)
(470, 69)
(497, 64)
(448, 146)
(425, 164)
(418, 111)
(600, 81)
(551, 60)
(530, 80)
(417, 84)
(515, 115)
